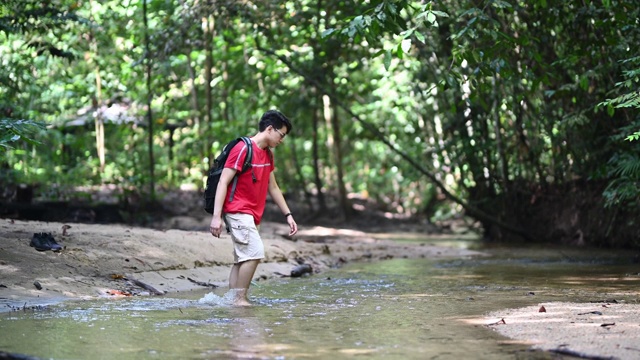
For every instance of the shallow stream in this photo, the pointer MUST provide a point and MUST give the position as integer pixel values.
(394, 309)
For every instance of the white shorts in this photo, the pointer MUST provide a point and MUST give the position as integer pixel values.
(247, 243)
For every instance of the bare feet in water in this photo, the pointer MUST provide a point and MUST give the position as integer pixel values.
(242, 303)
(240, 298)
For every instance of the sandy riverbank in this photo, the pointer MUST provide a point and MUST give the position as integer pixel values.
(102, 260)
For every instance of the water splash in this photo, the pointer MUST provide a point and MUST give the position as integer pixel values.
(212, 299)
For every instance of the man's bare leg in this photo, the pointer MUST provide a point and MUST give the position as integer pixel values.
(240, 280)
(233, 276)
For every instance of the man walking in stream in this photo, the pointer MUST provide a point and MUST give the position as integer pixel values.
(243, 214)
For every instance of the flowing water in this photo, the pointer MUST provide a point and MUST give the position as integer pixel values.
(394, 309)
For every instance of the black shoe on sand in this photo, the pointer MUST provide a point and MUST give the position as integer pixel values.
(44, 242)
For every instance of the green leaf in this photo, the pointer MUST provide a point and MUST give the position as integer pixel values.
(407, 34)
(431, 17)
(440, 13)
(633, 137)
(399, 51)
(328, 32)
(501, 4)
(387, 59)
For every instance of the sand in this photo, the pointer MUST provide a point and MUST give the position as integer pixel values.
(607, 330)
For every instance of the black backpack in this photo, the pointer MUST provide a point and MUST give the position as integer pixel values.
(216, 170)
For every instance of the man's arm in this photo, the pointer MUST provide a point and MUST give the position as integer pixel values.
(278, 198)
(221, 193)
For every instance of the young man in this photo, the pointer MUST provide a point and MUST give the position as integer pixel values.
(242, 216)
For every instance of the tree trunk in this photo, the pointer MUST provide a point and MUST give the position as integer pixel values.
(99, 120)
(193, 90)
(316, 161)
(331, 117)
(204, 130)
(97, 104)
(224, 96)
(152, 193)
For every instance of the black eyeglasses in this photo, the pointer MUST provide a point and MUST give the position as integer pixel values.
(282, 135)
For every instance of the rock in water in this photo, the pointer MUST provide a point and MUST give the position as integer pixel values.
(301, 270)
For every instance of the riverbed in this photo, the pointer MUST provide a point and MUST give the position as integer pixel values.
(390, 309)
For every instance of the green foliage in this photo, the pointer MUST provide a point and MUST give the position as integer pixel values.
(389, 17)
(485, 96)
(624, 184)
(521, 93)
(624, 188)
(12, 131)
(631, 82)
(633, 137)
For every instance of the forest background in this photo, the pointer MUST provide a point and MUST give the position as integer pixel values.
(520, 115)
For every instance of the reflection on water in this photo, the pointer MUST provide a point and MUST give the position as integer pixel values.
(396, 309)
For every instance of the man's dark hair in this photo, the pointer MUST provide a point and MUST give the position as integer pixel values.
(276, 119)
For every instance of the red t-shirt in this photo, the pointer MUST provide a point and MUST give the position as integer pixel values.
(250, 196)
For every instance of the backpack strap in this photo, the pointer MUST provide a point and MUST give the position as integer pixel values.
(249, 156)
(245, 166)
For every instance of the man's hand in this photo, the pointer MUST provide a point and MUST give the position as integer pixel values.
(215, 228)
(292, 225)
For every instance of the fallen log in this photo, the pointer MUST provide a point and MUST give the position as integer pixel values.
(147, 287)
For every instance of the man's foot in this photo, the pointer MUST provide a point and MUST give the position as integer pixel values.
(242, 303)
(240, 298)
